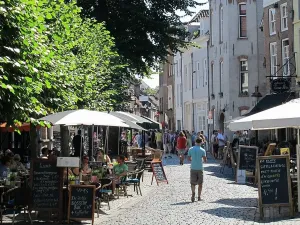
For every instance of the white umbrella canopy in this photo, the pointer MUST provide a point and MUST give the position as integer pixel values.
(84, 117)
(282, 116)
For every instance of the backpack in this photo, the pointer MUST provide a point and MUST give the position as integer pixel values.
(216, 142)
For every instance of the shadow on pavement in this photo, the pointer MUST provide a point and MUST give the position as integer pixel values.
(181, 203)
(246, 214)
(215, 170)
(238, 202)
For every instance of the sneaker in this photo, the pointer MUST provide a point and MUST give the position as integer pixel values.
(193, 198)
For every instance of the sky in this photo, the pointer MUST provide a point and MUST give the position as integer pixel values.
(153, 81)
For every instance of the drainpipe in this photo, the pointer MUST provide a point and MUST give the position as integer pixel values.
(181, 87)
(192, 62)
(208, 89)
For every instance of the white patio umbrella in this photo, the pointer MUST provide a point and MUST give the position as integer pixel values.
(84, 117)
(282, 116)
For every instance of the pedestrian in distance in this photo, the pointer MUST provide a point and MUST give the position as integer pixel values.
(197, 156)
(181, 146)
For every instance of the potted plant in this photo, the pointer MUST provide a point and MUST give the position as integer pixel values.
(72, 179)
(95, 174)
(12, 179)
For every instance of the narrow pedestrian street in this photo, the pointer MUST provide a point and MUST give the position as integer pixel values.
(224, 202)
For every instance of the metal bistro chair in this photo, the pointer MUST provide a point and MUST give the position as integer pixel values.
(104, 192)
(15, 199)
(122, 185)
(135, 180)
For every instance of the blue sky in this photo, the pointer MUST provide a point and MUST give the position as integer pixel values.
(153, 81)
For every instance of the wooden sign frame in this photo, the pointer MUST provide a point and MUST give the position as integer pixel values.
(260, 204)
(60, 198)
(154, 175)
(238, 161)
(93, 206)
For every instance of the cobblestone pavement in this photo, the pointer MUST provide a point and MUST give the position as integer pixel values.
(224, 202)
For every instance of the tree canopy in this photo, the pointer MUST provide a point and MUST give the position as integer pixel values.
(145, 31)
(52, 60)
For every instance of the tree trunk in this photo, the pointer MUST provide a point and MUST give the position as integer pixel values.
(64, 134)
(33, 142)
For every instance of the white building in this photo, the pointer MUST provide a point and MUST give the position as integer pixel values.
(236, 59)
(191, 78)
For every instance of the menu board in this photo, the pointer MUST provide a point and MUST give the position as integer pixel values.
(247, 157)
(82, 202)
(158, 172)
(46, 185)
(274, 180)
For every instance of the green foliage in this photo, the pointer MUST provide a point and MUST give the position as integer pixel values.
(52, 60)
(145, 32)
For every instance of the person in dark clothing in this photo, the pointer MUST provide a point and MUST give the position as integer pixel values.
(78, 144)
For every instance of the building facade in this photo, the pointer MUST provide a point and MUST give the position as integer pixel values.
(279, 40)
(236, 56)
(166, 100)
(191, 78)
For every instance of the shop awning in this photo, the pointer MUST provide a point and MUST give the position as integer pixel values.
(128, 120)
(155, 125)
(270, 101)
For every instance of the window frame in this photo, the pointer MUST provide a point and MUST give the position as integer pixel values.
(271, 10)
(221, 74)
(185, 78)
(221, 31)
(242, 74)
(283, 58)
(240, 20)
(284, 18)
(205, 71)
(272, 67)
(211, 28)
(198, 74)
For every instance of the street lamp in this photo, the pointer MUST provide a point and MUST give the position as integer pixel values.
(132, 103)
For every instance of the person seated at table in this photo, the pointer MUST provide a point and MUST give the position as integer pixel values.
(10, 155)
(4, 166)
(102, 157)
(85, 166)
(119, 171)
(18, 165)
(45, 153)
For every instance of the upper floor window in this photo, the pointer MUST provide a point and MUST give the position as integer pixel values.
(170, 69)
(242, 20)
(198, 77)
(212, 78)
(285, 57)
(244, 84)
(205, 72)
(273, 58)
(211, 28)
(177, 66)
(272, 21)
(221, 74)
(190, 76)
(284, 17)
(221, 24)
(185, 78)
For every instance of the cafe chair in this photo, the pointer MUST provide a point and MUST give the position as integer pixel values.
(135, 180)
(122, 186)
(15, 199)
(97, 196)
(104, 192)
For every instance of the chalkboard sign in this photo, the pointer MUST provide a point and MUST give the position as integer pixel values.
(158, 172)
(47, 183)
(247, 157)
(82, 202)
(274, 182)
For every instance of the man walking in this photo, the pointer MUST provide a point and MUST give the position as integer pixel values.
(197, 155)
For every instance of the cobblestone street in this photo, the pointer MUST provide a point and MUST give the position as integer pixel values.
(223, 201)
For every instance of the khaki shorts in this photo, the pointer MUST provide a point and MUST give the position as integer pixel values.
(196, 177)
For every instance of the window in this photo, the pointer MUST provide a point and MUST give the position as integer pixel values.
(221, 24)
(284, 17)
(181, 95)
(244, 88)
(212, 78)
(190, 76)
(242, 20)
(178, 94)
(285, 57)
(273, 59)
(170, 69)
(198, 77)
(205, 72)
(185, 78)
(221, 74)
(177, 66)
(211, 29)
(272, 21)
